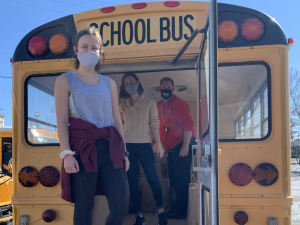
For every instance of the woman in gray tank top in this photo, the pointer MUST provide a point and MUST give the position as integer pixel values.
(93, 99)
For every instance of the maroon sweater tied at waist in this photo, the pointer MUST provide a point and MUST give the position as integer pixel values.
(83, 136)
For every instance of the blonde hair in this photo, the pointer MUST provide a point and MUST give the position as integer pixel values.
(88, 31)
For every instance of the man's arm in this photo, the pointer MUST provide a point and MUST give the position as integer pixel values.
(185, 120)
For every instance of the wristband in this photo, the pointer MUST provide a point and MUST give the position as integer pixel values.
(63, 154)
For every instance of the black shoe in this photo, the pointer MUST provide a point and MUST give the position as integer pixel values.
(175, 216)
(140, 220)
(162, 220)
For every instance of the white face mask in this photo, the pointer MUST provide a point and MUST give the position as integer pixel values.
(88, 59)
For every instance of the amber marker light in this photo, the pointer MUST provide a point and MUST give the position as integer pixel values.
(252, 29)
(108, 9)
(139, 5)
(171, 3)
(38, 45)
(59, 44)
(228, 31)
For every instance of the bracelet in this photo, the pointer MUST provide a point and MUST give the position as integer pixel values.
(63, 154)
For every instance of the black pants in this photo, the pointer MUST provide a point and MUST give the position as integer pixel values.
(180, 176)
(112, 182)
(144, 153)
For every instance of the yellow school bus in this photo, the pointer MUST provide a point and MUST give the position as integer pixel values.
(6, 184)
(229, 63)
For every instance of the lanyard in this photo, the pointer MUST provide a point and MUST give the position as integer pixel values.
(165, 112)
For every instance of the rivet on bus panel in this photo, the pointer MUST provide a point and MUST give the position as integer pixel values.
(139, 5)
(108, 9)
(171, 3)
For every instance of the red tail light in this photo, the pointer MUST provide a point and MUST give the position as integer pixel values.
(108, 9)
(10, 60)
(139, 5)
(171, 3)
(252, 29)
(38, 45)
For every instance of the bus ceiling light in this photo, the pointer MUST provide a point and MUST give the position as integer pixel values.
(291, 42)
(38, 45)
(108, 9)
(252, 29)
(171, 3)
(59, 44)
(228, 31)
(139, 5)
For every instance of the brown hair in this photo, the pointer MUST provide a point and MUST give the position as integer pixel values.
(88, 31)
(167, 79)
(123, 92)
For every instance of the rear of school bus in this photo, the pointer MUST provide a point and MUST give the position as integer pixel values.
(253, 88)
(144, 38)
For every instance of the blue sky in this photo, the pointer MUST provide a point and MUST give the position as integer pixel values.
(18, 17)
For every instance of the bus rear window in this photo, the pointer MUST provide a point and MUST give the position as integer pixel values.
(41, 126)
(244, 101)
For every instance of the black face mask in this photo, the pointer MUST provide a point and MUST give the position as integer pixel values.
(166, 93)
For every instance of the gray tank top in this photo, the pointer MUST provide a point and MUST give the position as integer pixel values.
(92, 102)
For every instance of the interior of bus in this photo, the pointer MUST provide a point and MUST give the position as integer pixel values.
(243, 103)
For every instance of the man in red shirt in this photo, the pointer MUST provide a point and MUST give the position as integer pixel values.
(177, 136)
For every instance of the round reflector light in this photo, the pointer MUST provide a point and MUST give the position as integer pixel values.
(38, 45)
(252, 29)
(266, 174)
(49, 215)
(228, 31)
(240, 174)
(108, 9)
(241, 217)
(171, 3)
(28, 176)
(59, 44)
(139, 5)
(49, 176)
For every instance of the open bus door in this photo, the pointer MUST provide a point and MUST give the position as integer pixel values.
(208, 117)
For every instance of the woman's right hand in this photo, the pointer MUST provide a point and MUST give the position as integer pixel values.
(71, 164)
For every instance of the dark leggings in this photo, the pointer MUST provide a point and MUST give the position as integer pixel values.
(112, 182)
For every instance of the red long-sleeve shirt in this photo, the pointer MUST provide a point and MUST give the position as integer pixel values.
(178, 119)
(83, 135)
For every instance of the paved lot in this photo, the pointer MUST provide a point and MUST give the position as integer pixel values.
(296, 194)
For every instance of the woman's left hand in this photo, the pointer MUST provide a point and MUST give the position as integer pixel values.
(160, 152)
(127, 163)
